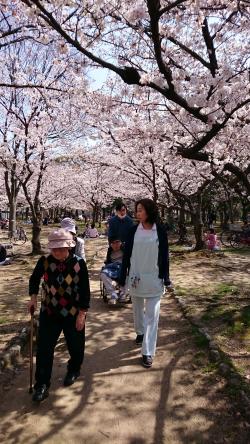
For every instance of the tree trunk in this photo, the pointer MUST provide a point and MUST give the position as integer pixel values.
(198, 232)
(245, 208)
(198, 227)
(182, 227)
(12, 223)
(12, 189)
(230, 211)
(36, 231)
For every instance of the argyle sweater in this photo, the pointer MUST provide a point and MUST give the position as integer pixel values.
(65, 285)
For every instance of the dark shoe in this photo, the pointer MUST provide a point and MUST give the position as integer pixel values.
(139, 339)
(147, 361)
(41, 393)
(70, 378)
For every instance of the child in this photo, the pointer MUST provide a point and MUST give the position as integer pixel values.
(211, 240)
(110, 271)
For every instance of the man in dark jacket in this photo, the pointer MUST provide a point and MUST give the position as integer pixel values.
(120, 224)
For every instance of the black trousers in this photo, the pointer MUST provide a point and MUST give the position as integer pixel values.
(50, 328)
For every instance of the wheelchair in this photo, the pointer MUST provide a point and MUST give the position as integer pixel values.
(106, 297)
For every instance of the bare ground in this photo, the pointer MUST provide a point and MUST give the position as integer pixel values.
(116, 400)
(216, 289)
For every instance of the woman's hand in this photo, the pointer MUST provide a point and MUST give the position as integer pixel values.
(32, 304)
(80, 320)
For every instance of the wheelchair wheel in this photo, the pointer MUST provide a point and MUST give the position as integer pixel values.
(103, 292)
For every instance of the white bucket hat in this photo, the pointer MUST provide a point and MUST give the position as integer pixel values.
(68, 225)
(60, 238)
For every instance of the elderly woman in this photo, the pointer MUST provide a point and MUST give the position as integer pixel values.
(65, 303)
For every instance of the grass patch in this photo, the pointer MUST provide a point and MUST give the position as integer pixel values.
(199, 339)
(233, 391)
(244, 251)
(210, 367)
(220, 313)
(241, 326)
(3, 321)
(245, 316)
(223, 289)
(200, 357)
(181, 291)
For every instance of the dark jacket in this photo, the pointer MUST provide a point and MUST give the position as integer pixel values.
(163, 256)
(119, 227)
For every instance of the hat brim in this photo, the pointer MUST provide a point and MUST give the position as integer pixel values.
(61, 243)
(68, 227)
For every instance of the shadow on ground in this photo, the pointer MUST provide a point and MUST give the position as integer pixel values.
(116, 400)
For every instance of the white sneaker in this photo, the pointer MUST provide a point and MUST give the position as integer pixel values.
(113, 298)
(122, 297)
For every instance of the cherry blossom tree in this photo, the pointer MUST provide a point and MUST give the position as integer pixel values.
(34, 124)
(173, 116)
(193, 55)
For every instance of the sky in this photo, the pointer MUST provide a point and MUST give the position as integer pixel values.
(98, 77)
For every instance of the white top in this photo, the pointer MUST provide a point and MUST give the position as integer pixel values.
(143, 275)
(79, 249)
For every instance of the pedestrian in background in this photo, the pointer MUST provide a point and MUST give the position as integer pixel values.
(69, 224)
(120, 224)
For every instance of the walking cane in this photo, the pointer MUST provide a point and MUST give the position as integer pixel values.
(31, 347)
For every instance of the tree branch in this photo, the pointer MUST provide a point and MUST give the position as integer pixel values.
(210, 47)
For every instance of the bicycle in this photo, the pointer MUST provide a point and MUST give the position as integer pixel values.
(20, 236)
(230, 234)
(238, 240)
(226, 237)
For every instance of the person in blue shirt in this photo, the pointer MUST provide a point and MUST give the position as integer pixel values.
(120, 224)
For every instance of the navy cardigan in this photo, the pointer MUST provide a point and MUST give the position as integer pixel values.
(163, 256)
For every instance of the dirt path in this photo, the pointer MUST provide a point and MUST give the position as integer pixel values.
(118, 401)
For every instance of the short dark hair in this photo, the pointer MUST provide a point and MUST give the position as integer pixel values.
(114, 238)
(151, 209)
(119, 206)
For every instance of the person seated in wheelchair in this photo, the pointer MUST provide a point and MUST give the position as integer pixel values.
(111, 270)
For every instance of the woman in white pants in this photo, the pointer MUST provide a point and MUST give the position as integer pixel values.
(147, 264)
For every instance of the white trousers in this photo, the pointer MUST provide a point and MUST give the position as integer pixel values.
(146, 317)
(110, 284)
